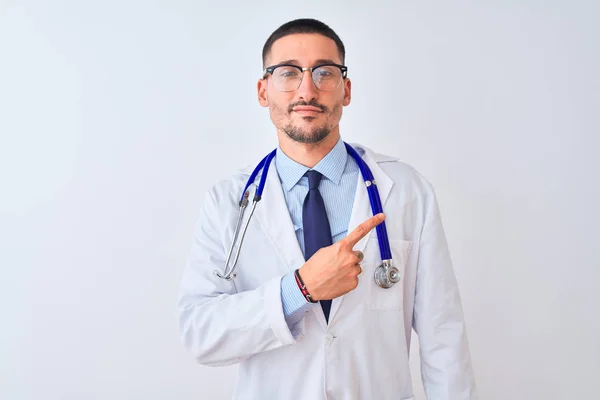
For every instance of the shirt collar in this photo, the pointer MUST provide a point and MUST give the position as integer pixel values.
(331, 166)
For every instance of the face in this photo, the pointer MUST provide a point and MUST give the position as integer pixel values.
(307, 114)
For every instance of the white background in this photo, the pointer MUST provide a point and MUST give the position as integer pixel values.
(117, 116)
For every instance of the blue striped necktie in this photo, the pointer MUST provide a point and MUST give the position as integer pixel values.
(315, 224)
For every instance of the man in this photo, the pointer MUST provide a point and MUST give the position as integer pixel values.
(302, 313)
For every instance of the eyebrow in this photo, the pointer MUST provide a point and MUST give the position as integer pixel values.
(319, 61)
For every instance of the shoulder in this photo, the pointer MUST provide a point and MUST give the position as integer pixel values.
(401, 173)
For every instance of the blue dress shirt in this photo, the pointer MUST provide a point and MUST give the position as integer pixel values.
(337, 187)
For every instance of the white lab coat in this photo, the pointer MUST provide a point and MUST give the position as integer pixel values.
(363, 353)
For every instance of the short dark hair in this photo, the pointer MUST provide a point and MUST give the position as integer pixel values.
(303, 25)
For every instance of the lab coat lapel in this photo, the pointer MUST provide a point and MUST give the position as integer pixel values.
(361, 209)
(274, 218)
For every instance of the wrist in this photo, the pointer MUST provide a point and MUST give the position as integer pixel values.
(302, 287)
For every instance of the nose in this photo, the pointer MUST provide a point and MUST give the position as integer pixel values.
(307, 89)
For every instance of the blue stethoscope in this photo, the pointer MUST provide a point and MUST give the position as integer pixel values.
(386, 274)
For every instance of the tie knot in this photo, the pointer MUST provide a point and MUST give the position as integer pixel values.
(314, 177)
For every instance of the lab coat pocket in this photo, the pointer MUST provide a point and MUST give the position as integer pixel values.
(378, 298)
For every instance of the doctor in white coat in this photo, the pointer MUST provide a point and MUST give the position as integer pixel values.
(288, 348)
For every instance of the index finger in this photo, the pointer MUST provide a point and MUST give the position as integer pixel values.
(363, 229)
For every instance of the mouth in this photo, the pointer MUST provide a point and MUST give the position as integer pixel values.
(307, 110)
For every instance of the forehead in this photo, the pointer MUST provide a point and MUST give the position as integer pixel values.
(304, 47)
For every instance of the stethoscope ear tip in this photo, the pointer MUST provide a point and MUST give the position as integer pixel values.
(226, 277)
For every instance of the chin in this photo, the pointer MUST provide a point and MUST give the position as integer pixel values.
(309, 136)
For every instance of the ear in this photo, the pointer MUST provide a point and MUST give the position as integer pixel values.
(261, 87)
(347, 91)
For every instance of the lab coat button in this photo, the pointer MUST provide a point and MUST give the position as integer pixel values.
(329, 338)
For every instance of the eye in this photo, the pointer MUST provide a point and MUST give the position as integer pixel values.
(286, 72)
(327, 72)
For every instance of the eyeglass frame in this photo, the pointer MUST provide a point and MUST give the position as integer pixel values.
(343, 70)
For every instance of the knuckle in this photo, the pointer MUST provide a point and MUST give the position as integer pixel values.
(350, 259)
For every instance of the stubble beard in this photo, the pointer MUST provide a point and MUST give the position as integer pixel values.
(312, 136)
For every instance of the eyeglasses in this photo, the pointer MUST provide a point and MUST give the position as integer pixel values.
(288, 77)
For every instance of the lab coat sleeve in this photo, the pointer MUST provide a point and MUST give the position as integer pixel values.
(446, 369)
(217, 325)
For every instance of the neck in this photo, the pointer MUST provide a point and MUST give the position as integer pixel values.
(308, 154)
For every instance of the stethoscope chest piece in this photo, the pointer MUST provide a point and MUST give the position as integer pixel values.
(386, 275)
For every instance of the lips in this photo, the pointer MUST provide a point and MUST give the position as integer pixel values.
(307, 109)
